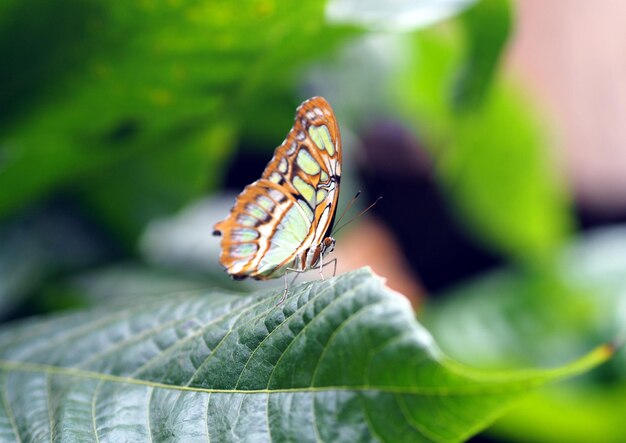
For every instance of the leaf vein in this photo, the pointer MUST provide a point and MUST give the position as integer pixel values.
(9, 408)
(293, 340)
(149, 418)
(368, 421)
(94, 399)
(470, 390)
(420, 428)
(273, 332)
(185, 339)
(132, 339)
(314, 414)
(208, 433)
(48, 393)
(85, 328)
(336, 332)
(223, 339)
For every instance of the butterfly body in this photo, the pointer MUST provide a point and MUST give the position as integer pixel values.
(282, 221)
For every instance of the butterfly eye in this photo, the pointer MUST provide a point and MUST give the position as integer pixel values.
(329, 244)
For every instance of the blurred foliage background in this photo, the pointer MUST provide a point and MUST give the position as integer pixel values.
(127, 128)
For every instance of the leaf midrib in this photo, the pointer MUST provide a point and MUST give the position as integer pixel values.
(477, 389)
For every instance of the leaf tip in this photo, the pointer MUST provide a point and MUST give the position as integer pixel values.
(608, 349)
(616, 344)
(605, 351)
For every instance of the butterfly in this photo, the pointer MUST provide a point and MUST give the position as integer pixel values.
(283, 221)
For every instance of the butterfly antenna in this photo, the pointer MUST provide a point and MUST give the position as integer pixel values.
(348, 206)
(357, 216)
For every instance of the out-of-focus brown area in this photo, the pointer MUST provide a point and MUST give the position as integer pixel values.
(378, 248)
(570, 55)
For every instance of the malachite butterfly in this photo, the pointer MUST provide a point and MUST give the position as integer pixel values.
(282, 222)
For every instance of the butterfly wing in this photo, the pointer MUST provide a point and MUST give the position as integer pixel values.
(291, 208)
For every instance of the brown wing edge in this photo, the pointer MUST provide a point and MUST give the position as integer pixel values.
(226, 227)
(298, 134)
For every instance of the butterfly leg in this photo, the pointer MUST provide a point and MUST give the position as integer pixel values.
(297, 272)
(322, 265)
(334, 262)
(295, 277)
(282, 299)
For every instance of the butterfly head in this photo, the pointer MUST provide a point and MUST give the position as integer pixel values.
(328, 246)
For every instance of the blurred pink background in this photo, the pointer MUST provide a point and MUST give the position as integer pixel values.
(570, 56)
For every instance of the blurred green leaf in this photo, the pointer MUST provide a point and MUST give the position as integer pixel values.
(514, 317)
(133, 192)
(128, 280)
(498, 170)
(135, 104)
(486, 26)
(493, 159)
(339, 360)
(559, 414)
(39, 246)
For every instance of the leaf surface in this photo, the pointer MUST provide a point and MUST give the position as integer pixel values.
(341, 360)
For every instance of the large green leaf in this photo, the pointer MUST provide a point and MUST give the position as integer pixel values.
(339, 360)
(514, 317)
(134, 105)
